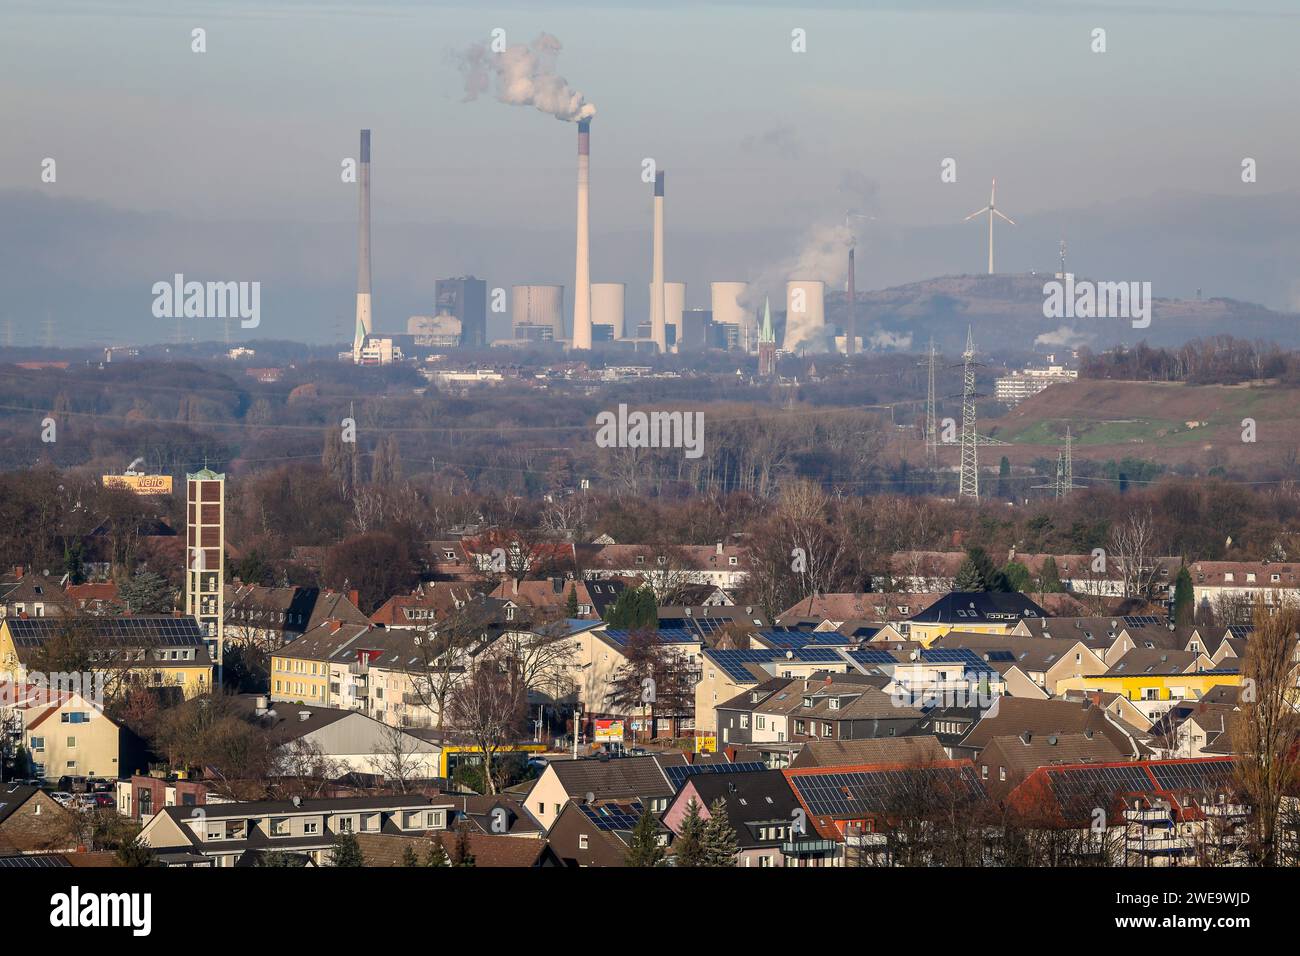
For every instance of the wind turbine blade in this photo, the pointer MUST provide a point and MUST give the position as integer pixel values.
(1007, 218)
(977, 212)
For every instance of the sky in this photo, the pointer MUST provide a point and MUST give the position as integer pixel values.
(225, 165)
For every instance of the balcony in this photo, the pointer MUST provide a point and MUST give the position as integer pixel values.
(358, 668)
(806, 847)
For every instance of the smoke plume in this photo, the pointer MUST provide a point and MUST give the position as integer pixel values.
(823, 254)
(524, 75)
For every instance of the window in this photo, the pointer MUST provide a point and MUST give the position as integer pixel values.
(345, 825)
(582, 841)
(1002, 773)
(984, 772)
(761, 722)
(311, 826)
(72, 741)
(38, 743)
(280, 826)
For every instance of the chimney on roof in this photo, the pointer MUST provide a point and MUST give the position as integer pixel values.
(514, 585)
(719, 551)
(355, 597)
(335, 625)
(304, 715)
(18, 570)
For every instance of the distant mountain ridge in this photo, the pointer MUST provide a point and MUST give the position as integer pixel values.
(1006, 311)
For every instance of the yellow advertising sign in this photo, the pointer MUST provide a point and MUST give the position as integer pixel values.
(706, 745)
(141, 484)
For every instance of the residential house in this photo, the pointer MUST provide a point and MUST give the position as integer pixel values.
(597, 832)
(31, 821)
(725, 673)
(624, 780)
(984, 612)
(155, 651)
(238, 834)
(760, 808)
(1030, 666)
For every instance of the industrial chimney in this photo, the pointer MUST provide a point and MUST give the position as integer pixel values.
(657, 313)
(582, 273)
(851, 327)
(364, 323)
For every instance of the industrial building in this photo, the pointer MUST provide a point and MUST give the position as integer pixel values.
(465, 298)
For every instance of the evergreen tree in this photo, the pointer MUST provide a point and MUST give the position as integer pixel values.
(1049, 578)
(571, 607)
(462, 855)
(688, 850)
(1017, 576)
(408, 856)
(145, 593)
(968, 577)
(644, 849)
(1004, 475)
(347, 852)
(719, 840)
(281, 859)
(134, 854)
(634, 608)
(437, 855)
(1184, 597)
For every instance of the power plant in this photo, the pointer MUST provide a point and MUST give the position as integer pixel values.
(608, 306)
(805, 315)
(582, 268)
(537, 312)
(674, 306)
(657, 304)
(364, 322)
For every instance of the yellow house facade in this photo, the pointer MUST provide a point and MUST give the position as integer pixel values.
(1152, 687)
(159, 651)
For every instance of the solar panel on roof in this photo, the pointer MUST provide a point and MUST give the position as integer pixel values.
(1192, 774)
(678, 774)
(1240, 631)
(813, 655)
(613, 816)
(1143, 620)
(869, 655)
(853, 794)
(793, 640)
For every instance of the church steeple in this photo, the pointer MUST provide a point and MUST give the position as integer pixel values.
(766, 334)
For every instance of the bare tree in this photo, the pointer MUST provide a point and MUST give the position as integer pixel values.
(488, 709)
(1132, 547)
(400, 758)
(1267, 736)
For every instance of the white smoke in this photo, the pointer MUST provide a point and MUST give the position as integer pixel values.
(823, 254)
(884, 340)
(1064, 337)
(524, 75)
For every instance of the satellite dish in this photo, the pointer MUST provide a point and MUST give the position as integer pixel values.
(297, 801)
(589, 797)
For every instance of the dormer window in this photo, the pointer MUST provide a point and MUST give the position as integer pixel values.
(732, 561)
(640, 559)
(807, 701)
(835, 703)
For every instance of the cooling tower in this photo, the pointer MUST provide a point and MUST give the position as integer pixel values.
(851, 325)
(608, 300)
(364, 324)
(805, 315)
(727, 299)
(582, 268)
(538, 305)
(658, 304)
(674, 306)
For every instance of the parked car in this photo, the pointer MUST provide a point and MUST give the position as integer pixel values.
(62, 798)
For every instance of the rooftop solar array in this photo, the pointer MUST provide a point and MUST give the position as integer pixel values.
(33, 862)
(1240, 631)
(733, 662)
(1194, 775)
(1143, 620)
(666, 635)
(677, 775)
(854, 794)
(868, 656)
(613, 816)
(1081, 789)
(818, 655)
(170, 631)
(792, 640)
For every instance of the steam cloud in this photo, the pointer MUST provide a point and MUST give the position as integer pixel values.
(823, 254)
(524, 75)
(1064, 337)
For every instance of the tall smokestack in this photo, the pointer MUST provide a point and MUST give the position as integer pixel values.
(582, 271)
(364, 322)
(657, 310)
(851, 330)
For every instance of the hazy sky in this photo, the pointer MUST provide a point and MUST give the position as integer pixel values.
(225, 165)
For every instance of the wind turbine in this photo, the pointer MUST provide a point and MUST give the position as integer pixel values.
(992, 210)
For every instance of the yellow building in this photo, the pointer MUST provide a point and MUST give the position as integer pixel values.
(1152, 687)
(158, 651)
(977, 612)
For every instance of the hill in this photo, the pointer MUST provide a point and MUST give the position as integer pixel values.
(1006, 312)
